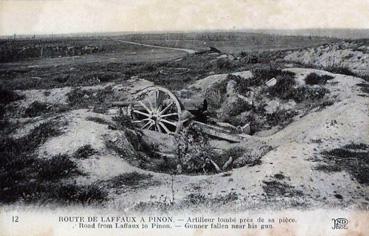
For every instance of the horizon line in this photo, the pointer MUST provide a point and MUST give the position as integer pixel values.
(259, 30)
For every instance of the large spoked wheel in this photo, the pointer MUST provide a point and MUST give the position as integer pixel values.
(157, 109)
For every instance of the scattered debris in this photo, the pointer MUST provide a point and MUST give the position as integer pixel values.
(271, 83)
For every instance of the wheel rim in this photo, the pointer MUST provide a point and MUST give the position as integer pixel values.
(157, 109)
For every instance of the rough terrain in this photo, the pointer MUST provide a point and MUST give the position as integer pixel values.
(295, 161)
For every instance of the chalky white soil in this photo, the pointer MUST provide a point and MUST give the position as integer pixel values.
(293, 154)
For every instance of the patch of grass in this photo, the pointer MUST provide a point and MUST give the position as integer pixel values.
(281, 117)
(275, 188)
(101, 76)
(98, 120)
(39, 135)
(243, 85)
(195, 199)
(353, 158)
(340, 70)
(192, 200)
(8, 96)
(71, 193)
(84, 152)
(364, 87)
(7, 127)
(357, 146)
(132, 180)
(51, 192)
(304, 93)
(154, 206)
(313, 78)
(30, 142)
(201, 200)
(325, 104)
(279, 176)
(328, 168)
(80, 98)
(57, 167)
(26, 177)
(37, 108)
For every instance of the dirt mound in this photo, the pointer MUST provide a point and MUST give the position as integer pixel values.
(351, 55)
(265, 99)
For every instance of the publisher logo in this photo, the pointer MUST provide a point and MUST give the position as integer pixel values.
(340, 223)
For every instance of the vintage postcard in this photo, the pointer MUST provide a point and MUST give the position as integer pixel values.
(159, 117)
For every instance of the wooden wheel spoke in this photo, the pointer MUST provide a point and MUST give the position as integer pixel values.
(157, 109)
(158, 127)
(159, 96)
(170, 114)
(164, 127)
(139, 121)
(148, 123)
(144, 106)
(150, 105)
(141, 113)
(151, 124)
(168, 122)
(166, 108)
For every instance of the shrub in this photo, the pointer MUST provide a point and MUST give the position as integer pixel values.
(308, 93)
(243, 85)
(36, 109)
(8, 96)
(76, 97)
(84, 152)
(283, 88)
(260, 76)
(56, 167)
(314, 78)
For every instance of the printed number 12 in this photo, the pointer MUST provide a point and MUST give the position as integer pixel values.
(15, 219)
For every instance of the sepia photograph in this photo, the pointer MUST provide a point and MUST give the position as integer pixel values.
(155, 117)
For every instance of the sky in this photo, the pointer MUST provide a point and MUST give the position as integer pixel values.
(78, 16)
